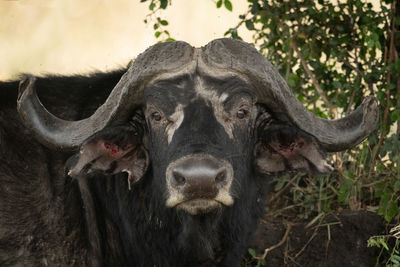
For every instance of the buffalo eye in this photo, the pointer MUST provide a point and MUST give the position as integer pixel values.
(241, 113)
(156, 116)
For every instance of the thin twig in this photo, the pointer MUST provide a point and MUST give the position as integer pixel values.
(391, 57)
(293, 261)
(283, 240)
(398, 106)
(360, 74)
(327, 242)
(396, 14)
(389, 170)
(308, 242)
(280, 192)
(288, 67)
(381, 180)
(370, 185)
(378, 258)
(351, 101)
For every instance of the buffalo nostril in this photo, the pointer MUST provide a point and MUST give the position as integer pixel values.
(197, 177)
(179, 178)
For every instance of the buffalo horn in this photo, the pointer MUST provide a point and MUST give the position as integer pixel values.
(219, 56)
(272, 90)
(124, 98)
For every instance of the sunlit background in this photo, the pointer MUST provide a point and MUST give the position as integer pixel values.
(72, 36)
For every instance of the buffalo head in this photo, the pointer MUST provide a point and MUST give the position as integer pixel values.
(201, 122)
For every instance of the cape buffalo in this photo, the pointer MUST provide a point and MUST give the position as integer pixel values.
(165, 163)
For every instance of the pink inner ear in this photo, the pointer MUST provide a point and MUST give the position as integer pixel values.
(112, 150)
(116, 151)
(289, 149)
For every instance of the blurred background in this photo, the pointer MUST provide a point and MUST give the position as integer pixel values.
(42, 36)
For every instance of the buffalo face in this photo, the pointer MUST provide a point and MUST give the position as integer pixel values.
(200, 138)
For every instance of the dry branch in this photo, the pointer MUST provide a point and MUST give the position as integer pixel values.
(283, 240)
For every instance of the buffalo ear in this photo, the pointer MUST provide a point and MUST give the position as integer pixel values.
(283, 147)
(112, 150)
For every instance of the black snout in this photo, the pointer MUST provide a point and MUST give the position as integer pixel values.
(199, 177)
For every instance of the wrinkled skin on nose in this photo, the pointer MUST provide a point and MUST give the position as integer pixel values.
(197, 141)
(199, 182)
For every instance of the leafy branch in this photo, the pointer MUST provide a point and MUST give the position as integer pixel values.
(315, 82)
(159, 24)
(227, 4)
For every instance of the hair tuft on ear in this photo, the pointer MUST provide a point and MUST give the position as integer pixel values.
(112, 150)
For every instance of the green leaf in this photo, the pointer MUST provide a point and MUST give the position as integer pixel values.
(337, 84)
(252, 252)
(396, 186)
(392, 211)
(219, 3)
(395, 258)
(164, 22)
(395, 115)
(155, 26)
(314, 64)
(233, 33)
(157, 34)
(333, 42)
(344, 191)
(254, 7)
(375, 36)
(372, 242)
(163, 4)
(152, 6)
(249, 25)
(228, 5)
(385, 245)
(293, 80)
(378, 45)
(279, 185)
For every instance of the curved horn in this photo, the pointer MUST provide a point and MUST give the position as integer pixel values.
(272, 90)
(126, 95)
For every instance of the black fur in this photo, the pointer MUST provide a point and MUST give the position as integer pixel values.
(47, 218)
(41, 217)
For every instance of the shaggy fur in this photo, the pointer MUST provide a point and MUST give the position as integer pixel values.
(49, 219)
